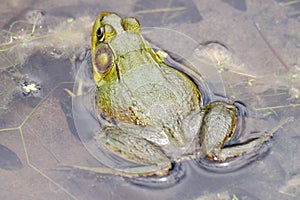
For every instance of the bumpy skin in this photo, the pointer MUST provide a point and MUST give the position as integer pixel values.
(152, 112)
(219, 124)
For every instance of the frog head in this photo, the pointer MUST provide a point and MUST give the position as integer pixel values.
(112, 38)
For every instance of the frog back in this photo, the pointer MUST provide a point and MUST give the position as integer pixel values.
(148, 92)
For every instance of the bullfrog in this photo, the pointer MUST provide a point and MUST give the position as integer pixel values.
(152, 114)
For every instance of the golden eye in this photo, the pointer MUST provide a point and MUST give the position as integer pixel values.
(105, 33)
(103, 58)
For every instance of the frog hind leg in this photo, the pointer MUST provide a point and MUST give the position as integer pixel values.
(151, 159)
(248, 146)
(238, 150)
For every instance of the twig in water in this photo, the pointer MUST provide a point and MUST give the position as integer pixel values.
(270, 46)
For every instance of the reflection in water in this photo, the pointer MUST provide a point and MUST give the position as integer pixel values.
(240, 5)
(9, 159)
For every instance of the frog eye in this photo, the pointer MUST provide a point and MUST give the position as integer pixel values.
(100, 34)
(131, 24)
(105, 33)
(102, 58)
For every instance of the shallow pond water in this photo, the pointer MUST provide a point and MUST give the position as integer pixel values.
(44, 42)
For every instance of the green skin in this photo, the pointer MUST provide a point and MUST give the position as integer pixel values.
(158, 109)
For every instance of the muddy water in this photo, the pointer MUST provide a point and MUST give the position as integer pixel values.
(41, 42)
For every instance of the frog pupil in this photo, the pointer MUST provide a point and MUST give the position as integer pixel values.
(99, 33)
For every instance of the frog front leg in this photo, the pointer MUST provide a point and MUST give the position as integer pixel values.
(151, 160)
